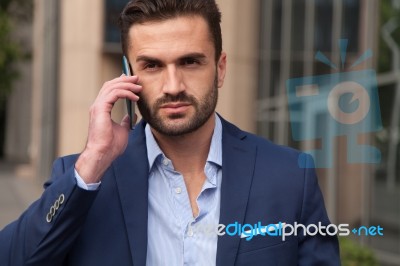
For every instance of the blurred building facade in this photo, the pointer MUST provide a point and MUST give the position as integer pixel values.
(76, 49)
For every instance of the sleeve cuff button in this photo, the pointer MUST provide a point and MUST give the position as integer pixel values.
(61, 199)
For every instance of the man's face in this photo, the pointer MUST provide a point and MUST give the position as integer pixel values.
(175, 62)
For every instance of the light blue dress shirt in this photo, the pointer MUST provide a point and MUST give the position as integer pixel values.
(175, 237)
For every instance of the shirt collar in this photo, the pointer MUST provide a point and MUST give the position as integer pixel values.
(214, 155)
(153, 150)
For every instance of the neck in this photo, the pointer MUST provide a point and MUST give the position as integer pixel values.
(188, 152)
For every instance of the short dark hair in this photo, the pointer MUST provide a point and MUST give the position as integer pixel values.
(141, 11)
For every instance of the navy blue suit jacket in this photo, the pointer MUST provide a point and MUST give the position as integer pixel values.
(261, 181)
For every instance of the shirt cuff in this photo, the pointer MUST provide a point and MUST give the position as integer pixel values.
(83, 185)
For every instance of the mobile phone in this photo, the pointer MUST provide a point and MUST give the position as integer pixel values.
(130, 106)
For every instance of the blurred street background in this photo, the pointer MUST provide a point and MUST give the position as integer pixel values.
(56, 54)
(17, 192)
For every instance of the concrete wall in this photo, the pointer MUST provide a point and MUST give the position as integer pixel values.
(80, 70)
(240, 31)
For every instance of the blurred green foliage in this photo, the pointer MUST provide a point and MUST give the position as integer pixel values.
(9, 54)
(353, 254)
(10, 49)
(387, 11)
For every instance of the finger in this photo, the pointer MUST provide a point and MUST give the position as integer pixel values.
(106, 103)
(124, 78)
(135, 88)
(114, 96)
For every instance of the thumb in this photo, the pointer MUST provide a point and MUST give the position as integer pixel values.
(126, 122)
(135, 117)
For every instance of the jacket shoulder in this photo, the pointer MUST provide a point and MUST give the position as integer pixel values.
(263, 145)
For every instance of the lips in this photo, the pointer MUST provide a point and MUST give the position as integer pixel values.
(175, 107)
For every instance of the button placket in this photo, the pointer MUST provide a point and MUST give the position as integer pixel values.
(165, 161)
(190, 228)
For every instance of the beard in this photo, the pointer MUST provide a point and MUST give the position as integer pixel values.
(203, 107)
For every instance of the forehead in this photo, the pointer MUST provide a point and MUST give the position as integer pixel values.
(172, 36)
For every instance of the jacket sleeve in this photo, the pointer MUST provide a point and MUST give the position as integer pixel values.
(46, 231)
(320, 249)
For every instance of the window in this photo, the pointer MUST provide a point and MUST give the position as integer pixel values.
(111, 31)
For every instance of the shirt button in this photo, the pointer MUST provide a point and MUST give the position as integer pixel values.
(178, 190)
(165, 161)
(190, 233)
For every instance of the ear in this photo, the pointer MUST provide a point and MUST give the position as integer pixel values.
(221, 66)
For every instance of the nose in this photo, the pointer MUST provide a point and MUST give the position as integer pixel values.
(173, 81)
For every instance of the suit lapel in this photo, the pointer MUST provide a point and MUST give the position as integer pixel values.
(238, 159)
(132, 172)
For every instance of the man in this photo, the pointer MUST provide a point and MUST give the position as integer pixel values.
(140, 197)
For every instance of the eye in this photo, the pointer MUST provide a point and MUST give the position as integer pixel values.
(189, 61)
(151, 66)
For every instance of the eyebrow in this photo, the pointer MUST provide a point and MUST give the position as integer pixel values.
(145, 58)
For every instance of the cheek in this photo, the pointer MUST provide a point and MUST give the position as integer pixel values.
(201, 76)
(197, 84)
(150, 80)
(146, 97)
(150, 90)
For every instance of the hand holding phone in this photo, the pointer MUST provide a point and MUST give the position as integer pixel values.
(106, 138)
(129, 105)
